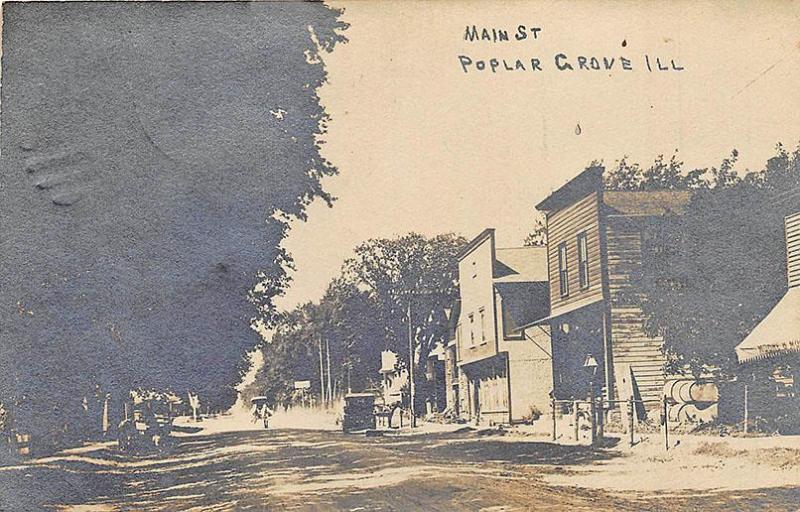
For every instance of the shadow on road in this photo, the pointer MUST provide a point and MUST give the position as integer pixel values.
(473, 447)
(308, 470)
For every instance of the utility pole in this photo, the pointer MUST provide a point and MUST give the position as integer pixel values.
(328, 355)
(321, 374)
(411, 366)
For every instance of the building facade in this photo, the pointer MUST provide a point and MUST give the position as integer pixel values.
(595, 250)
(498, 376)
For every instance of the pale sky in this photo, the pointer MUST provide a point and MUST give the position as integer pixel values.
(422, 146)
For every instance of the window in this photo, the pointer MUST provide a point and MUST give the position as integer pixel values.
(471, 329)
(459, 341)
(583, 261)
(563, 273)
(483, 324)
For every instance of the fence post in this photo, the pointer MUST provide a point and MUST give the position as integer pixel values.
(666, 423)
(593, 420)
(575, 420)
(746, 413)
(631, 419)
(553, 407)
(601, 420)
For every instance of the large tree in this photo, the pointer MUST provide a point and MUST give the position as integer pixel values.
(152, 155)
(409, 274)
(711, 274)
(364, 312)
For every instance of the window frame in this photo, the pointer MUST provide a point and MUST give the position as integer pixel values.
(563, 270)
(583, 260)
(471, 317)
(482, 313)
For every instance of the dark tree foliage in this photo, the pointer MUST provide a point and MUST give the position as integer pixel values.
(537, 237)
(711, 274)
(661, 175)
(152, 155)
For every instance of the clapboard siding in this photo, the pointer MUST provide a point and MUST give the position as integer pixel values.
(631, 346)
(564, 226)
(793, 248)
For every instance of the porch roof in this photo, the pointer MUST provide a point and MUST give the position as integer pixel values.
(777, 334)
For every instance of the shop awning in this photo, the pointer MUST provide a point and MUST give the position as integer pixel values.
(777, 334)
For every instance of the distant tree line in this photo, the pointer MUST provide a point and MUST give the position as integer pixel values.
(336, 343)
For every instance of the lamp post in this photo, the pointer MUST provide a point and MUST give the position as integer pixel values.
(590, 365)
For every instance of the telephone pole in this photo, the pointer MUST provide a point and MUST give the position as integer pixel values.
(321, 374)
(328, 356)
(411, 366)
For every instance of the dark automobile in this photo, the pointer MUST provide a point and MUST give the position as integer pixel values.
(144, 432)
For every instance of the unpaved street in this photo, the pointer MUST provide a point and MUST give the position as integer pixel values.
(316, 470)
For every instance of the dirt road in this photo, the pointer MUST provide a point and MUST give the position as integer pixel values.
(314, 470)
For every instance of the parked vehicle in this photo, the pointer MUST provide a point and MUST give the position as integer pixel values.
(144, 432)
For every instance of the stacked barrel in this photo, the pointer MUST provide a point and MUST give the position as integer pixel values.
(691, 400)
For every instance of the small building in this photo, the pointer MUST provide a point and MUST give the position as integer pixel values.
(594, 250)
(496, 377)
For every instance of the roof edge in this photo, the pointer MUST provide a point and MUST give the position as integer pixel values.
(588, 181)
(475, 242)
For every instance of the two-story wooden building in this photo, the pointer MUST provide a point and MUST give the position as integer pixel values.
(594, 250)
(496, 373)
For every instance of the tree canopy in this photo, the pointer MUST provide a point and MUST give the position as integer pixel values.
(149, 175)
(364, 312)
(711, 274)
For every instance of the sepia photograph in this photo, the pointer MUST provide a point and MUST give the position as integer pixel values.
(384, 255)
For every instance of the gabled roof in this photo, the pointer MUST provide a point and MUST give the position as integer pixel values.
(590, 180)
(521, 280)
(778, 334)
(520, 264)
(475, 242)
(646, 202)
(523, 303)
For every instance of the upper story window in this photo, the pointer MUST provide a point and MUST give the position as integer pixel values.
(563, 273)
(482, 313)
(458, 342)
(583, 261)
(471, 329)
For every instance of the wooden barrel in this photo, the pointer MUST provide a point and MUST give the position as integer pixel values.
(683, 391)
(693, 391)
(670, 389)
(690, 391)
(692, 413)
(675, 412)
